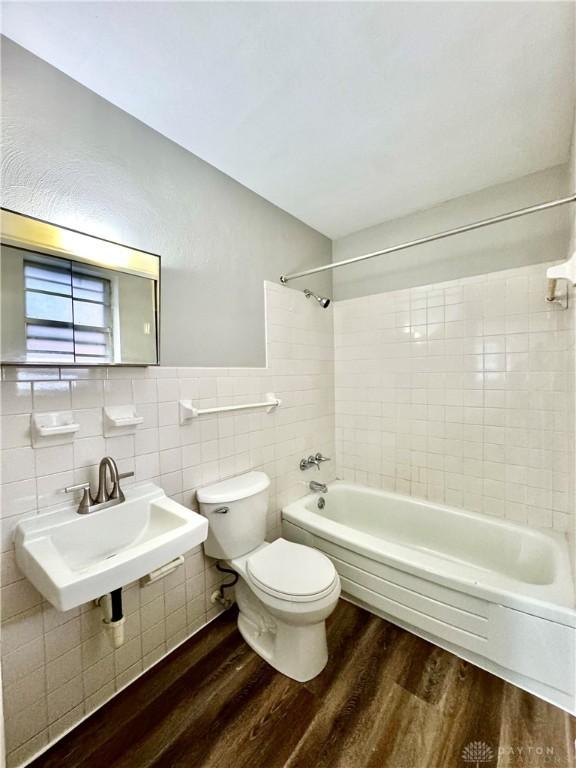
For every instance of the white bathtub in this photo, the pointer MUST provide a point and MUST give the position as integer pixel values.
(496, 593)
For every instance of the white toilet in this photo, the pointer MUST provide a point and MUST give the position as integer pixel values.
(285, 591)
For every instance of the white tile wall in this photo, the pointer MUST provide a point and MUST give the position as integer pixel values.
(461, 392)
(59, 667)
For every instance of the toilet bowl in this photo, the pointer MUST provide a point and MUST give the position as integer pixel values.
(285, 591)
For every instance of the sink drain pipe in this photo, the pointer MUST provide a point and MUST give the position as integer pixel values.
(114, 619)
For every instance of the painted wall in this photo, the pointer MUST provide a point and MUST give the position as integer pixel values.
(572, 532)
(58, 667)
(74, 159)
(529, 240)
(461, 392)
(572, 182)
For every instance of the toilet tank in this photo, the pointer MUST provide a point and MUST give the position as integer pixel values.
(236, 511)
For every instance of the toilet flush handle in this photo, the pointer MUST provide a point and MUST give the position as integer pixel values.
(221, 510)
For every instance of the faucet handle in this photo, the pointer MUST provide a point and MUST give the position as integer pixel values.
(86, 501)
(312, 461)
(116, 492)
(79, 487)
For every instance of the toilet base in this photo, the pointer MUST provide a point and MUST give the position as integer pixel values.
(297, 651)
(300, 653)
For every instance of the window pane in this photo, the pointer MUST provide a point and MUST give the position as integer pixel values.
(89, 314)
(90, 288)
(87, 295)
(92, 337)
(36, 330)
(88, 282)
(50, 345)
(93, 343)
(84, 350)
(33, 284)
(47, 278)
(48, 307)
(36, 356)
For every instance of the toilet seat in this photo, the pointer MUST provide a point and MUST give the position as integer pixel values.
(292, 572)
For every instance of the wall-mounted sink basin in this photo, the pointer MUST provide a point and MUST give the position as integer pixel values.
(72, 559)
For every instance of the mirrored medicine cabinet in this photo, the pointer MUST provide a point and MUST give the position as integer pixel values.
(68, 298)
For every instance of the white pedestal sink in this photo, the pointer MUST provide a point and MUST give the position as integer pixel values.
(72, 559)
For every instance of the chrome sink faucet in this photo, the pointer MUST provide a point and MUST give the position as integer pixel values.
(108, 465)
(104, 497)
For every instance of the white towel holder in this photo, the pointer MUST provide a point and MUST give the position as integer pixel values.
(188, 411)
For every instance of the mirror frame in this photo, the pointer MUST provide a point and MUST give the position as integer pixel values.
(38, 236)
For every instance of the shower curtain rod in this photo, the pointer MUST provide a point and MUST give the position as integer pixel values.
(431, 238)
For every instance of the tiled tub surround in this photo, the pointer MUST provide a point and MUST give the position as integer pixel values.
(56, 667)
(463, 393)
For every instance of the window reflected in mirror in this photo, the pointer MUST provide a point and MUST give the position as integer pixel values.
(68, 313)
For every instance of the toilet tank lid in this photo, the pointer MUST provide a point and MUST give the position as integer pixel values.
(234, 488)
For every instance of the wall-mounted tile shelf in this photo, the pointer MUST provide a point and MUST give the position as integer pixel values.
(188, 411)
(58, 426)
(120, 419)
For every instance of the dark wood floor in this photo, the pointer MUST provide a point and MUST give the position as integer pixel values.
(386, 700)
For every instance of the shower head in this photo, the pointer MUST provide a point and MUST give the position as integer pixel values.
(322, 300)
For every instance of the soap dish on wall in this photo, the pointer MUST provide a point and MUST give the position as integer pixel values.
(53, 428)
(120, 420)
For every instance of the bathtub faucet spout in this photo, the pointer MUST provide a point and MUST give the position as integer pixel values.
(314, 487)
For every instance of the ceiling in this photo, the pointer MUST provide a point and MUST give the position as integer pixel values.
(343, 114)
